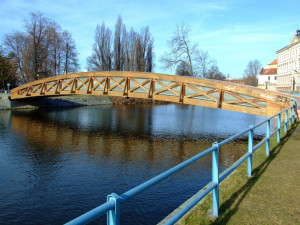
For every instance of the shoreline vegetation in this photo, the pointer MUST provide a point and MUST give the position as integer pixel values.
(268, 197)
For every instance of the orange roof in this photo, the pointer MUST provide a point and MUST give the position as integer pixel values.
(272, 71)
(274, 62)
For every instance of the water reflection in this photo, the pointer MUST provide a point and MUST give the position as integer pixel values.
(60, 163)
(117, 133)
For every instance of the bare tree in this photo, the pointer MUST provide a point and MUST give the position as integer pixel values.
(253, 68)
(251, 72)
(101, 59)
(204, 63)
(126, 49)
(139, 55)
(147, 50)
(181, 50)
(70, 55)
(54, 48)
(119, 45)
(149, 61)
(131, 51)
(132, 37)
(37, 30)
(131, 43)
(182, 70)
(15, 43)
(43, 50)
(214, 73)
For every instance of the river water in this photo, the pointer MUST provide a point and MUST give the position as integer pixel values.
(56, 164)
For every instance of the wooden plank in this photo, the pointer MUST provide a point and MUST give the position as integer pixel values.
(244, 109)
(138, 95)
(115, 93)
(165, 98)
(199, 102)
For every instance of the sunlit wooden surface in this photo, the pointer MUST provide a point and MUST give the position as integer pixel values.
(170, 88)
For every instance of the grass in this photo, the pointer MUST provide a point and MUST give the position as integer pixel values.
(270, 196)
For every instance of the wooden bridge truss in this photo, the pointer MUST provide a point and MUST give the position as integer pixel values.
(186, 90)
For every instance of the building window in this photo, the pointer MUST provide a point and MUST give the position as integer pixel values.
(268, 77)
(275, 78)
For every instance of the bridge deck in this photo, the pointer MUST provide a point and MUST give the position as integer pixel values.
(186, 90)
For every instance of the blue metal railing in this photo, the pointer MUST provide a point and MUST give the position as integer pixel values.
(112, 206)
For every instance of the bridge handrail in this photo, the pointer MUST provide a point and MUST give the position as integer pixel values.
(112, 206)
(161, 87)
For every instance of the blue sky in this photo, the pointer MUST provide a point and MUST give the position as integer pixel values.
(233, 32)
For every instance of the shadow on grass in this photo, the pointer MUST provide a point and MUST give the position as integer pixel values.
(256, 174)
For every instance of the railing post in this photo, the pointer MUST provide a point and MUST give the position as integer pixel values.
(113, 216)
(268, 137)
(215, 179)
(285, 120)
(278, 126)
(293, 114)
(250, 150)
(291, 111)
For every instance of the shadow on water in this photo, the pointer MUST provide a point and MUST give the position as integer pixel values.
(58, 163)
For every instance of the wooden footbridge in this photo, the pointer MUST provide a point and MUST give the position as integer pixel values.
(170, 88)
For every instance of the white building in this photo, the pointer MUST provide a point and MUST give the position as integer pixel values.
(267, 77)
(288, 68)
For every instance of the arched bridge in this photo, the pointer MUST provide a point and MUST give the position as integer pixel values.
(186, 90)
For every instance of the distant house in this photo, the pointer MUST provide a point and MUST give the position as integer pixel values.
(289, 65)
(267, 78)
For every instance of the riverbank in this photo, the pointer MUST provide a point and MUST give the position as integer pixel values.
(67, 101)
(270, 196)
(5, 102)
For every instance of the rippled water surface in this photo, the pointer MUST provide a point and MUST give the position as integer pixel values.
(56, 164)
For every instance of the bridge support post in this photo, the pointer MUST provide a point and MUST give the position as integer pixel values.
(250, 151)
(268, 137)
(113, 216)
(278, 126)
(215, 179)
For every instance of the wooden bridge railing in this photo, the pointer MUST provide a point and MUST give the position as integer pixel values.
(186, 90)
